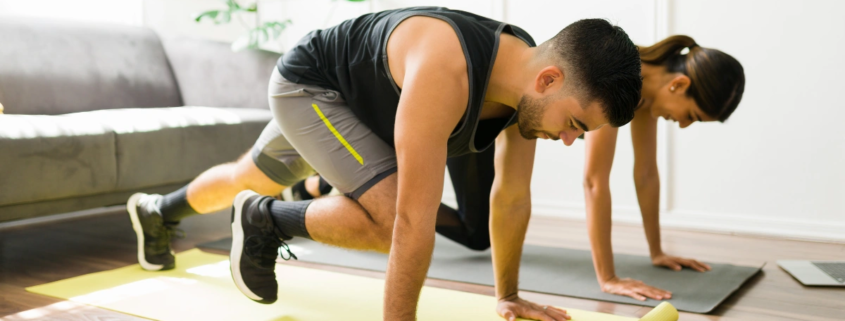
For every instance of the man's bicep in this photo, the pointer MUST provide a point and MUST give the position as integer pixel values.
(432, 103)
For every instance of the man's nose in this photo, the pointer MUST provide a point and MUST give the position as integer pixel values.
(568, 137)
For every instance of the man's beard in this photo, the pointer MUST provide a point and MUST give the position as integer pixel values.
(529, 115)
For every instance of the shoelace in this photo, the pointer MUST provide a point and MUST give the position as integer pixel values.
(263, 248)
(286, 248)
(263, 207)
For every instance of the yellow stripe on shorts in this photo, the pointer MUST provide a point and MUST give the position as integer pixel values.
(336, 134)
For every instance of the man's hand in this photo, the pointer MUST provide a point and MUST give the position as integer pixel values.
(677, 263)
(513, 308)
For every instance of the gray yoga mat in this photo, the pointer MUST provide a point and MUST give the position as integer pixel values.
(550, 270)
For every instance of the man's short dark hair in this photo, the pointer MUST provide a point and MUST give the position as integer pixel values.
(605, 64)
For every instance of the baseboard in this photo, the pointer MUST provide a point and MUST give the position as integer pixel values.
(63, 216)
(722, 223)
(45, 209)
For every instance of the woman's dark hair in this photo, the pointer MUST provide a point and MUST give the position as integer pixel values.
(717, 79)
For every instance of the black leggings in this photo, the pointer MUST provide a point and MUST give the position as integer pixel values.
(472, 178)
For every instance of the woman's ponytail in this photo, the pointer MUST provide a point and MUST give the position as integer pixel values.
(717, 79)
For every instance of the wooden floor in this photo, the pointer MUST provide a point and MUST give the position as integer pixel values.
(49, 252)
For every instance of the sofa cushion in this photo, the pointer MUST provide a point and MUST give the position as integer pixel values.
(54, 67)
(168, 145)
(210, 74)
(53, 157)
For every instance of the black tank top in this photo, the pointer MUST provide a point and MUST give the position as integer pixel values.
(351, 58)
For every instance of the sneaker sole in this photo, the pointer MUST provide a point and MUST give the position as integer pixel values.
(132, 208)
(238, 245)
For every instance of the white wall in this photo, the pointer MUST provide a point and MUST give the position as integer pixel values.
(103, 11)
(777, 164)
(777, 167)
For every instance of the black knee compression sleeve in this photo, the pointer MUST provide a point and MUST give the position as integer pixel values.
(325, 187)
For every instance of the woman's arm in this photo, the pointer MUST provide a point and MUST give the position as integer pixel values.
(646, 177)
(647, 181)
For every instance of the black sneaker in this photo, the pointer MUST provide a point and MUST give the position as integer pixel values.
(256, 242)
(154, 252)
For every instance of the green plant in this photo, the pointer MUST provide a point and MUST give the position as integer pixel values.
(255, 36)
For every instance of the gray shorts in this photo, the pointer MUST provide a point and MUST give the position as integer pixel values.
(314, 130)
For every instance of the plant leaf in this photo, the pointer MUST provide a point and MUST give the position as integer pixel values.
(266, 34)
(211, 14)
(254, 39)
(224, 17)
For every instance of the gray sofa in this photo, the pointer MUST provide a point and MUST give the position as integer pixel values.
(94, 113)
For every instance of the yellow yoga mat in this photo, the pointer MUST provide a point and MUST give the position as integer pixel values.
(201, 288)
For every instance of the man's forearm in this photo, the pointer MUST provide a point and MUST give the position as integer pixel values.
(410, 256)
(508, 223)
(648, 196)
(598, 203)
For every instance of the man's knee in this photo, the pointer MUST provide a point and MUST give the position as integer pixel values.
(380, 203)
(249, 176)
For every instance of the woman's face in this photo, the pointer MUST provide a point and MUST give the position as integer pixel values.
(672, 103)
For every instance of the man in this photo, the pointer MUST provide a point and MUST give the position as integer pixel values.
(376, 105)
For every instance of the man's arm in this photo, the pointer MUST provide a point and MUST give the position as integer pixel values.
(600, 150)
(510, 206)
(601, 147)
(434, 97)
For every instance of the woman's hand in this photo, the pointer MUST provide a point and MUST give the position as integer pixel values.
(513, 308)
(677, 263)
(635, 289)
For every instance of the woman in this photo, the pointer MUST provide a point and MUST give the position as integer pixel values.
(699, 85)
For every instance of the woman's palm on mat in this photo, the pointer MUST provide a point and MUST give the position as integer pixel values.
(640, 291)
(635, 289)
(677, 263)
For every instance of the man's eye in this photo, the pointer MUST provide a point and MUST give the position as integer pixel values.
(572, 124)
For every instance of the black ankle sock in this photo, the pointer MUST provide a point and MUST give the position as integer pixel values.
(325, 187)
(289, 217)
(174, 206)
(299, 189)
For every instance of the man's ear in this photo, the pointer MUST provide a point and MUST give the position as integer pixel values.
(548, 78)
(679, 84)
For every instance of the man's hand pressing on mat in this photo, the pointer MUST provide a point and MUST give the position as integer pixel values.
(510, 210)
(511, 308)
(635, 289)
(677, 263)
